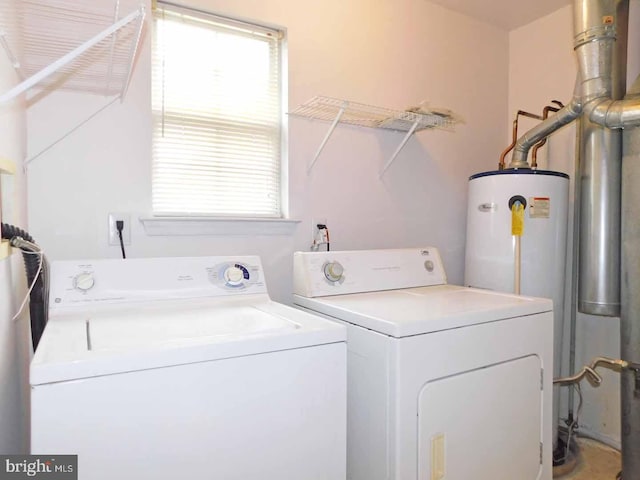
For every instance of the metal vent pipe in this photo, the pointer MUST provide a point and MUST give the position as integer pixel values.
(630, 315)
(597, 24)
(553, 122)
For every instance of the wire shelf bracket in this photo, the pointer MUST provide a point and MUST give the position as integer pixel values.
(14, 61)
(358, 114)
(397, 151)
(326, 137)
(47, 71)
(55, 142)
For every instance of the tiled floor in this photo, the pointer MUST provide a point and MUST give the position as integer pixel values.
(596, 462)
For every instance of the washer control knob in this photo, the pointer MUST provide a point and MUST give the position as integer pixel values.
(233, 276)
(428, 265)
(333, 271)
(84, 281)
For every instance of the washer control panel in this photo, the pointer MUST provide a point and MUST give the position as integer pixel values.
(331, 273)
(104, 281)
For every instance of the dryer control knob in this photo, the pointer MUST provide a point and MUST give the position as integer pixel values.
(333, 271)
(233, 276)
(84, 281)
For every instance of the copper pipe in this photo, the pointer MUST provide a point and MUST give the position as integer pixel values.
(515, 135)
(545, 114)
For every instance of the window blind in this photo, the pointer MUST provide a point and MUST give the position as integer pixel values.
(216, 105)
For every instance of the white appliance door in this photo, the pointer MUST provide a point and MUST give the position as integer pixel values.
(467, 431)
(274, 416)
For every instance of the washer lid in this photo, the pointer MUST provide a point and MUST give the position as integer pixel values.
(162, 334)
(414, 311)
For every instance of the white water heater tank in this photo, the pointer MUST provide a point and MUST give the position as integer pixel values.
(491, 247)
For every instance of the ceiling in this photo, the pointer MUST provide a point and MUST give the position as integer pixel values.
(507, 14)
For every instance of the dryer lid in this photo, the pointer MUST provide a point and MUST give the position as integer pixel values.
(414, 311)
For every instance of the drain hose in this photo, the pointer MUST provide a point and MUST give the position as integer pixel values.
(40, 292)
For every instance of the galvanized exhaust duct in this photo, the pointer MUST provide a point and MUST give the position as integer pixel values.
(564, 116)
(630, 315)
(597, 24)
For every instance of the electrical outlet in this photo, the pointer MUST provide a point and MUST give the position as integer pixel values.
(314, 226)
(317, 236)
(114, 239)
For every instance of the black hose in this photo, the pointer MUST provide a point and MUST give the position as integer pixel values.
(38, 300)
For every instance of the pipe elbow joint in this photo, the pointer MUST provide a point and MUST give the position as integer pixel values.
(604, 113)
(574, 108)
(616, 113)
(519, 157)
(551, 124)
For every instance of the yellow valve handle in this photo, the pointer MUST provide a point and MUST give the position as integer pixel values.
(517, 219)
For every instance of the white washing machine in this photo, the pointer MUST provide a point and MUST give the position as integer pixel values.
(444, 382)
(184, 368)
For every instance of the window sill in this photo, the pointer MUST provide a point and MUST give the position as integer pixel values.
(155, 226)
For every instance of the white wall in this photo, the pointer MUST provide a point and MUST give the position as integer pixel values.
(14, 336)
(391, 54)
(542, 66)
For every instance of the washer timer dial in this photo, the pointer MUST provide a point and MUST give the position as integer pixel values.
(84, 281)
(233, 275)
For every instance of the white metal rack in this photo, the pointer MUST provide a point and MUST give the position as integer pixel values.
(89, 45)
(359, 114)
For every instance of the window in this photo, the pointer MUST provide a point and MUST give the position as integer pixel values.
(217, 116)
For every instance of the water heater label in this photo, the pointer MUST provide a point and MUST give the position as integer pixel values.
(488, 207)
(539, 207)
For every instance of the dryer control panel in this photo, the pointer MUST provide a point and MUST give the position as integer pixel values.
(317, 274)
(85, 282)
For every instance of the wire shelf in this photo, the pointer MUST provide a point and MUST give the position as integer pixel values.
(77, 45)
(362, 115)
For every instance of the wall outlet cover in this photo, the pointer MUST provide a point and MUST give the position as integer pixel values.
(126, 231)
(314, 226)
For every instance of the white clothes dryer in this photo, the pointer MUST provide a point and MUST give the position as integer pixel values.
(173, 368)
(444, 382)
